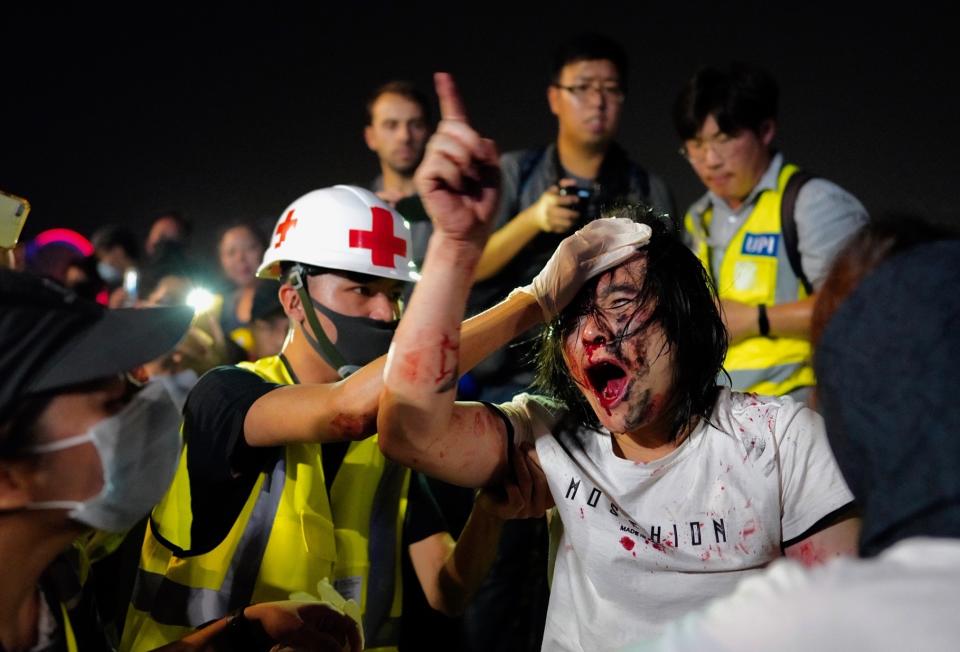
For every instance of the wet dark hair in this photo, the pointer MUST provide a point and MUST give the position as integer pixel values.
(683, 302)
(741, 96)
(590, 47)
(404, 89)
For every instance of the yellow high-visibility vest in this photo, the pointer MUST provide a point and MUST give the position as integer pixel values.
(752, 261)
(289, 536)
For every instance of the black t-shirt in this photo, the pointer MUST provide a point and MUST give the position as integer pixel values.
(223, 467)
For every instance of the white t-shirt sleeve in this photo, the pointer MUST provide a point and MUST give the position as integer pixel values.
(532, 416)
(811, 484)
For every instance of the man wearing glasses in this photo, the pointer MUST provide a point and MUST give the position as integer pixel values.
(765, 230)
(546, 193)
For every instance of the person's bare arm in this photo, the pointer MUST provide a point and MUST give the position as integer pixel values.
(289, 624)
(836, 534)
(419, 424)
(455, 182)
(449, 571)
(786, 319)
(837, 538)
(343, 410)
(347, 409)
(551, 213)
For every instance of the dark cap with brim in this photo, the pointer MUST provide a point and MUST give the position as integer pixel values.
(51, 338)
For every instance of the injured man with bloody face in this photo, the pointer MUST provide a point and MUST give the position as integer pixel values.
(614, 353)
(668, 488)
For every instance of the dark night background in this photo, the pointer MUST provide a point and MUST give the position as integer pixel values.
(222, 112)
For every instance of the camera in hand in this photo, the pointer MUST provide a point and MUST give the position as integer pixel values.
(585, 204)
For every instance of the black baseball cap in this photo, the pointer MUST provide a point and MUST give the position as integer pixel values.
(52, 338)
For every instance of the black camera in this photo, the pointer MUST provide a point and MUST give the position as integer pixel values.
(584, 205)
(583, 193)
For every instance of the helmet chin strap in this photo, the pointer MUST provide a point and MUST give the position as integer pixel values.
(319, 340)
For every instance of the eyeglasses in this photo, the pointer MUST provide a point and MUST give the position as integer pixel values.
(611, 92)
(696, 149)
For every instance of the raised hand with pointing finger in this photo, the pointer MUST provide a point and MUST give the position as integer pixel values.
(459, 176)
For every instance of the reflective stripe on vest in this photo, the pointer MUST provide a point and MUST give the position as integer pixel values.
(298, 545)
(172, 603)
(755, 269)
(69, 637)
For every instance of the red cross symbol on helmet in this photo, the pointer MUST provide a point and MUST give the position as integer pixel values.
(288, 223)
(380, 240)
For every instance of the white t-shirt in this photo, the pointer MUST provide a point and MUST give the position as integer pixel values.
(644, 544)
(904, 599)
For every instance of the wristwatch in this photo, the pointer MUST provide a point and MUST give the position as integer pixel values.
(762, 321)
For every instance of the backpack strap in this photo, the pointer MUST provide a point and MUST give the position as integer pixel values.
(788, 224)
(525, 166)
(528, 162)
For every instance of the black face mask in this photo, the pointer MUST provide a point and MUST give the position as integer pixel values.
(360, 340)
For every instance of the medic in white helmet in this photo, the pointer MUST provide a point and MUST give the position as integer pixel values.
(351, 231)
(278, 490)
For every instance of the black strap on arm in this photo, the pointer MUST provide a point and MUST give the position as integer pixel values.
(788, 224)
(511, 436)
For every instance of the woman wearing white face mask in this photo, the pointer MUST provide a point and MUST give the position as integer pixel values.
(82, 447)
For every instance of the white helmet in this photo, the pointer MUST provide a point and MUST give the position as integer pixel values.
(343, 227)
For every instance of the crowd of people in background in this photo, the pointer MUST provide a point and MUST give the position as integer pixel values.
(643, 410)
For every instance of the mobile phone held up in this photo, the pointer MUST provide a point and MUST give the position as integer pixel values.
(13, 213)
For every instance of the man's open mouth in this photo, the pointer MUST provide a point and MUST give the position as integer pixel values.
(609, 382)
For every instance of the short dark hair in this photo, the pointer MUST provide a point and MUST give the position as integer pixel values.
(170, 259)
(254, 230)
(684, 306)
(402, 88)
(19, 427)
(741, 96)
(185, 226)
(590, 47)
(114, 235)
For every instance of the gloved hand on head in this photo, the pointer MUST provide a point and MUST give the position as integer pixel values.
(597, 247)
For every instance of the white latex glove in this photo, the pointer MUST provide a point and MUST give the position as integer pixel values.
(600, 245)
(329, 596)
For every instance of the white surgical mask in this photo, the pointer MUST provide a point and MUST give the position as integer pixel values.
(110, 274)
(139, 448)
(178, 385)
